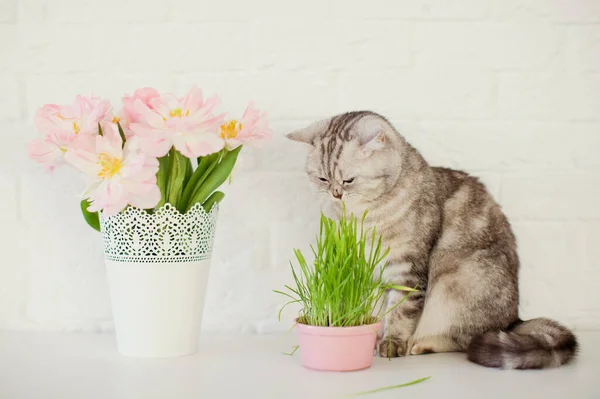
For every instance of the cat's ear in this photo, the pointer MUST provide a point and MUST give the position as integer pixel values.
(308, 134)
(371, 136)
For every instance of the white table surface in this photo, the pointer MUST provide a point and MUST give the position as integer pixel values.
(59, 365)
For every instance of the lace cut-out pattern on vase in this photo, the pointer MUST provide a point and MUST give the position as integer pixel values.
(164, 236)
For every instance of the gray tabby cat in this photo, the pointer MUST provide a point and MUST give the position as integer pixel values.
(446, 234)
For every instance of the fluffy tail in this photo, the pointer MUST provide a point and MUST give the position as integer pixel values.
(533, 344)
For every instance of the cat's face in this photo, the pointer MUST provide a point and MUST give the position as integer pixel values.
(352, 158)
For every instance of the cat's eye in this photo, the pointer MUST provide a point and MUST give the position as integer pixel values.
(322, 179)
(349, 181)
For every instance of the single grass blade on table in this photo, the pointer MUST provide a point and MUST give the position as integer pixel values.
(390, 387)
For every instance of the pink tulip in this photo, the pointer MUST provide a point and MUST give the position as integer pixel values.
(51, 150)
(166, 121)
(253, 126)
(145, 95)
(67, 127)
(128, 114)
(80, 118)
(117, 176)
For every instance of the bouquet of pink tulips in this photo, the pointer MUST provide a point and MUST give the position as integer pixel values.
(144, 155)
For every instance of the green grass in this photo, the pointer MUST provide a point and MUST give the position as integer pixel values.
(389, 387)
(344, 284)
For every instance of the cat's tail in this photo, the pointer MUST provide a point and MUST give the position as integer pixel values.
(533, 344)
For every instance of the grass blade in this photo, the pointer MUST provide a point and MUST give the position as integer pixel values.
(285, 293)
(285, 306)
(401, 288)
(390, 387)
(292, 352)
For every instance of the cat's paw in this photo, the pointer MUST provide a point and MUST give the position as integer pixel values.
(431, 344)
(391, 347)
(418, 347)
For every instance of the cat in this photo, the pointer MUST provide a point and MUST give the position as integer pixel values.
(446, 234)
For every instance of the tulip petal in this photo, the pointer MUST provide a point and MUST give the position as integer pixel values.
(199, 144)
(109, 197)
(146, 114)
(149, 199)
(193, 100)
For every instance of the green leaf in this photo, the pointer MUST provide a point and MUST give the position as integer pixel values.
(189, 169)
(177, 171)
(99, 129)
(390, 387)
(205, 166)
(217, 177)
(122, 134)
(214, 198)
(91, 218)
(162, 179)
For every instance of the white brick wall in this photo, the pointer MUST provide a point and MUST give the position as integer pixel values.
(506, 89)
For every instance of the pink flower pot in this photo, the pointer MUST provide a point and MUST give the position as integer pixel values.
(337, 348)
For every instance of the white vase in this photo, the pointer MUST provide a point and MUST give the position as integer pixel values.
(158, 265)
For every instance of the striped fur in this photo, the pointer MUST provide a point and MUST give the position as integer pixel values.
(446, 235)
(533, 344)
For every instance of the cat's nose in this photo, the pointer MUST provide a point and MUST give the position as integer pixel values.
(337, 193)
